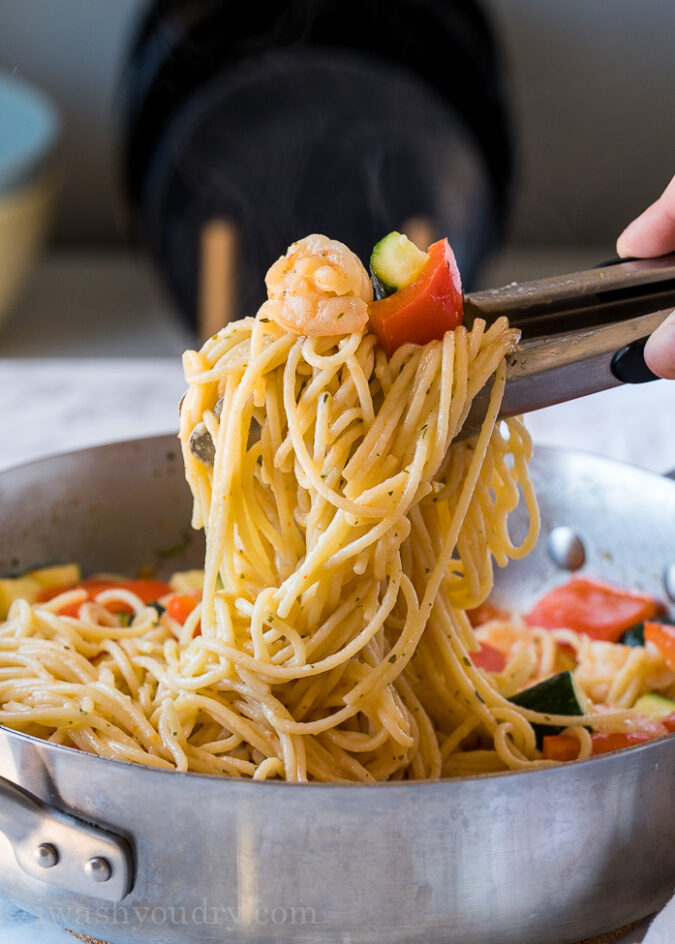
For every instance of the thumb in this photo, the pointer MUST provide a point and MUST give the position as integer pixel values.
(660, 349)
(653, 232)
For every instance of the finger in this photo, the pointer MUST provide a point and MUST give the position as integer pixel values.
(660, 349)
(653, 232)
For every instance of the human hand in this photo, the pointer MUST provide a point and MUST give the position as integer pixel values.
(653, 234)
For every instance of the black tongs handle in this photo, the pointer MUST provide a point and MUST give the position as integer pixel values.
(549, 370)
(628, 364)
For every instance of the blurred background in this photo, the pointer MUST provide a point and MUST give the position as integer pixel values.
(171, 149)
(535, 145)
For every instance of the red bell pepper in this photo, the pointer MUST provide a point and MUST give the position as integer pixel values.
(147, 590)
(562, 747)
(663, 637)
(180, 606)
(489, 658)
(484, 613)
(424, 310)
(597, 609)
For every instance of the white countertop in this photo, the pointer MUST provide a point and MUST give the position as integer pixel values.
(57, 392)
(49, 406)
(19, 927)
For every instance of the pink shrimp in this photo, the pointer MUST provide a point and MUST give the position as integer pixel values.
(318, 288)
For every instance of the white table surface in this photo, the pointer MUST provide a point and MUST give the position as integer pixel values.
(49, 406)
(83, 396)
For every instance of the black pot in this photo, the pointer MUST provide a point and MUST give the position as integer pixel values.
(346, 117)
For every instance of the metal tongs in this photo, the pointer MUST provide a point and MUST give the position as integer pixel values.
(580, 333)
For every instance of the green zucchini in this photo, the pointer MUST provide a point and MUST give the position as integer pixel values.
(635, 635)
(187, 581)
(395, 262)
(655, 706)
(557, 695)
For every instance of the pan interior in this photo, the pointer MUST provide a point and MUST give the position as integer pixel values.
(126, 508)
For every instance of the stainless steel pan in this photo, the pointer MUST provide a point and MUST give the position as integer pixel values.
(132, 854)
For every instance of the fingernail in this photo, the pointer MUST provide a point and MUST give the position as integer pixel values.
(622, 249)
(624, 246)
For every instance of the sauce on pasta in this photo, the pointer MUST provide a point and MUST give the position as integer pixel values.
(347, 535)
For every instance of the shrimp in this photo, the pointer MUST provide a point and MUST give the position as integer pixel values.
(318, 288)
(618, 674)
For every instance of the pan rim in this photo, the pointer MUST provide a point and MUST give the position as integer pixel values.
(171, 438)
(443, 782)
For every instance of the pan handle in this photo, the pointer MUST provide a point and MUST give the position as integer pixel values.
(61, 850)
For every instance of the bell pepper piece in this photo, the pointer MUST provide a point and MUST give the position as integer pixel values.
(604, 742)
(489, 658)
(562, 747)
(424, 310)
(147, 590)
(597, 609)
(662, 635)
(484, 613)
(180, 606)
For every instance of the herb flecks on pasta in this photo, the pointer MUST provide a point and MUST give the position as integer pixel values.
(346, 536)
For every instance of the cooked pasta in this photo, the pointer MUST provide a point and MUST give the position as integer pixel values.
(348, 531)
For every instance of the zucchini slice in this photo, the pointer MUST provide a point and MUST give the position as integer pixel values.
(395, 263)
(187, 581)
(17, 588)
(655, 706)
(635, 635)
(29, 586)
(60, 575)
(557, 695)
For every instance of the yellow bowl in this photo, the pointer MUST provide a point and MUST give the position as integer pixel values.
(29, 131)
(24, 220)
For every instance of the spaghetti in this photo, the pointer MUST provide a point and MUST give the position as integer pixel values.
(348, 533)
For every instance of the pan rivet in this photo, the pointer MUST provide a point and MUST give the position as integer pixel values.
(98, 869)
(566, 548)
(669, 581)
(46, 855)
